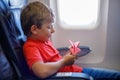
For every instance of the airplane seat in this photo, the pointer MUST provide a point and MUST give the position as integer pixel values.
(9, 38)
(15, 12)
(3, 6)
(12, 38)
(12, 48)
(6, 70)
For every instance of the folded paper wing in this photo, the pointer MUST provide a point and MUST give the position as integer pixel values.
(74, 47)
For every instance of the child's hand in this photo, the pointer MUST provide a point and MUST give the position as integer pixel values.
(69, 59)
(74, 47)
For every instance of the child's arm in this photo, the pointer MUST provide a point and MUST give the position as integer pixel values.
(44, 70)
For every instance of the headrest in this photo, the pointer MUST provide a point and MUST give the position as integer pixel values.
(4, 6)
(17, 3)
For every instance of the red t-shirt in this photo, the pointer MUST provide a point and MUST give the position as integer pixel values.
(36, 51)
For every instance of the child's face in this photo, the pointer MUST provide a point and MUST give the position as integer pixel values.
(45, 32)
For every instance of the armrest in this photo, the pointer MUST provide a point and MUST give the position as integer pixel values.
(84, 50)
(70, 76)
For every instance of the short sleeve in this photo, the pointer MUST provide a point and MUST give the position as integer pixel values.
(32, 55)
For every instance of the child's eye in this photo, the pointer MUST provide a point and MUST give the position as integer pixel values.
(49, 27)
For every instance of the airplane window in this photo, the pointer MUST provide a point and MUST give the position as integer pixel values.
(82, 14)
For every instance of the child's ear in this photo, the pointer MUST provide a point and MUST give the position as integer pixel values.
(33, 29)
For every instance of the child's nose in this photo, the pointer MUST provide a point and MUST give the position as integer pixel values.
(52, 30)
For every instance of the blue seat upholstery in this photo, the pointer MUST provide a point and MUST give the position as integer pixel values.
(4, 6)
(6, 70)
(10, 42)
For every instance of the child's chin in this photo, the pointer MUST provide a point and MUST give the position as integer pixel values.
(47, 39)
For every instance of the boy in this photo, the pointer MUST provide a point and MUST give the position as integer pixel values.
(43, 59)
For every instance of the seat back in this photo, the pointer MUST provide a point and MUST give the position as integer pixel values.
(4, 6)
(6, 69)
(11, 40)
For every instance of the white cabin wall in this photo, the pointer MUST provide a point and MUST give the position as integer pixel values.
(112, 56)
(113, 35)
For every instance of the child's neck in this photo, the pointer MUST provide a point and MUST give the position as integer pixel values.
(36, 39)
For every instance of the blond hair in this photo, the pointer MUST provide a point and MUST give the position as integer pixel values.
(35, 13)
